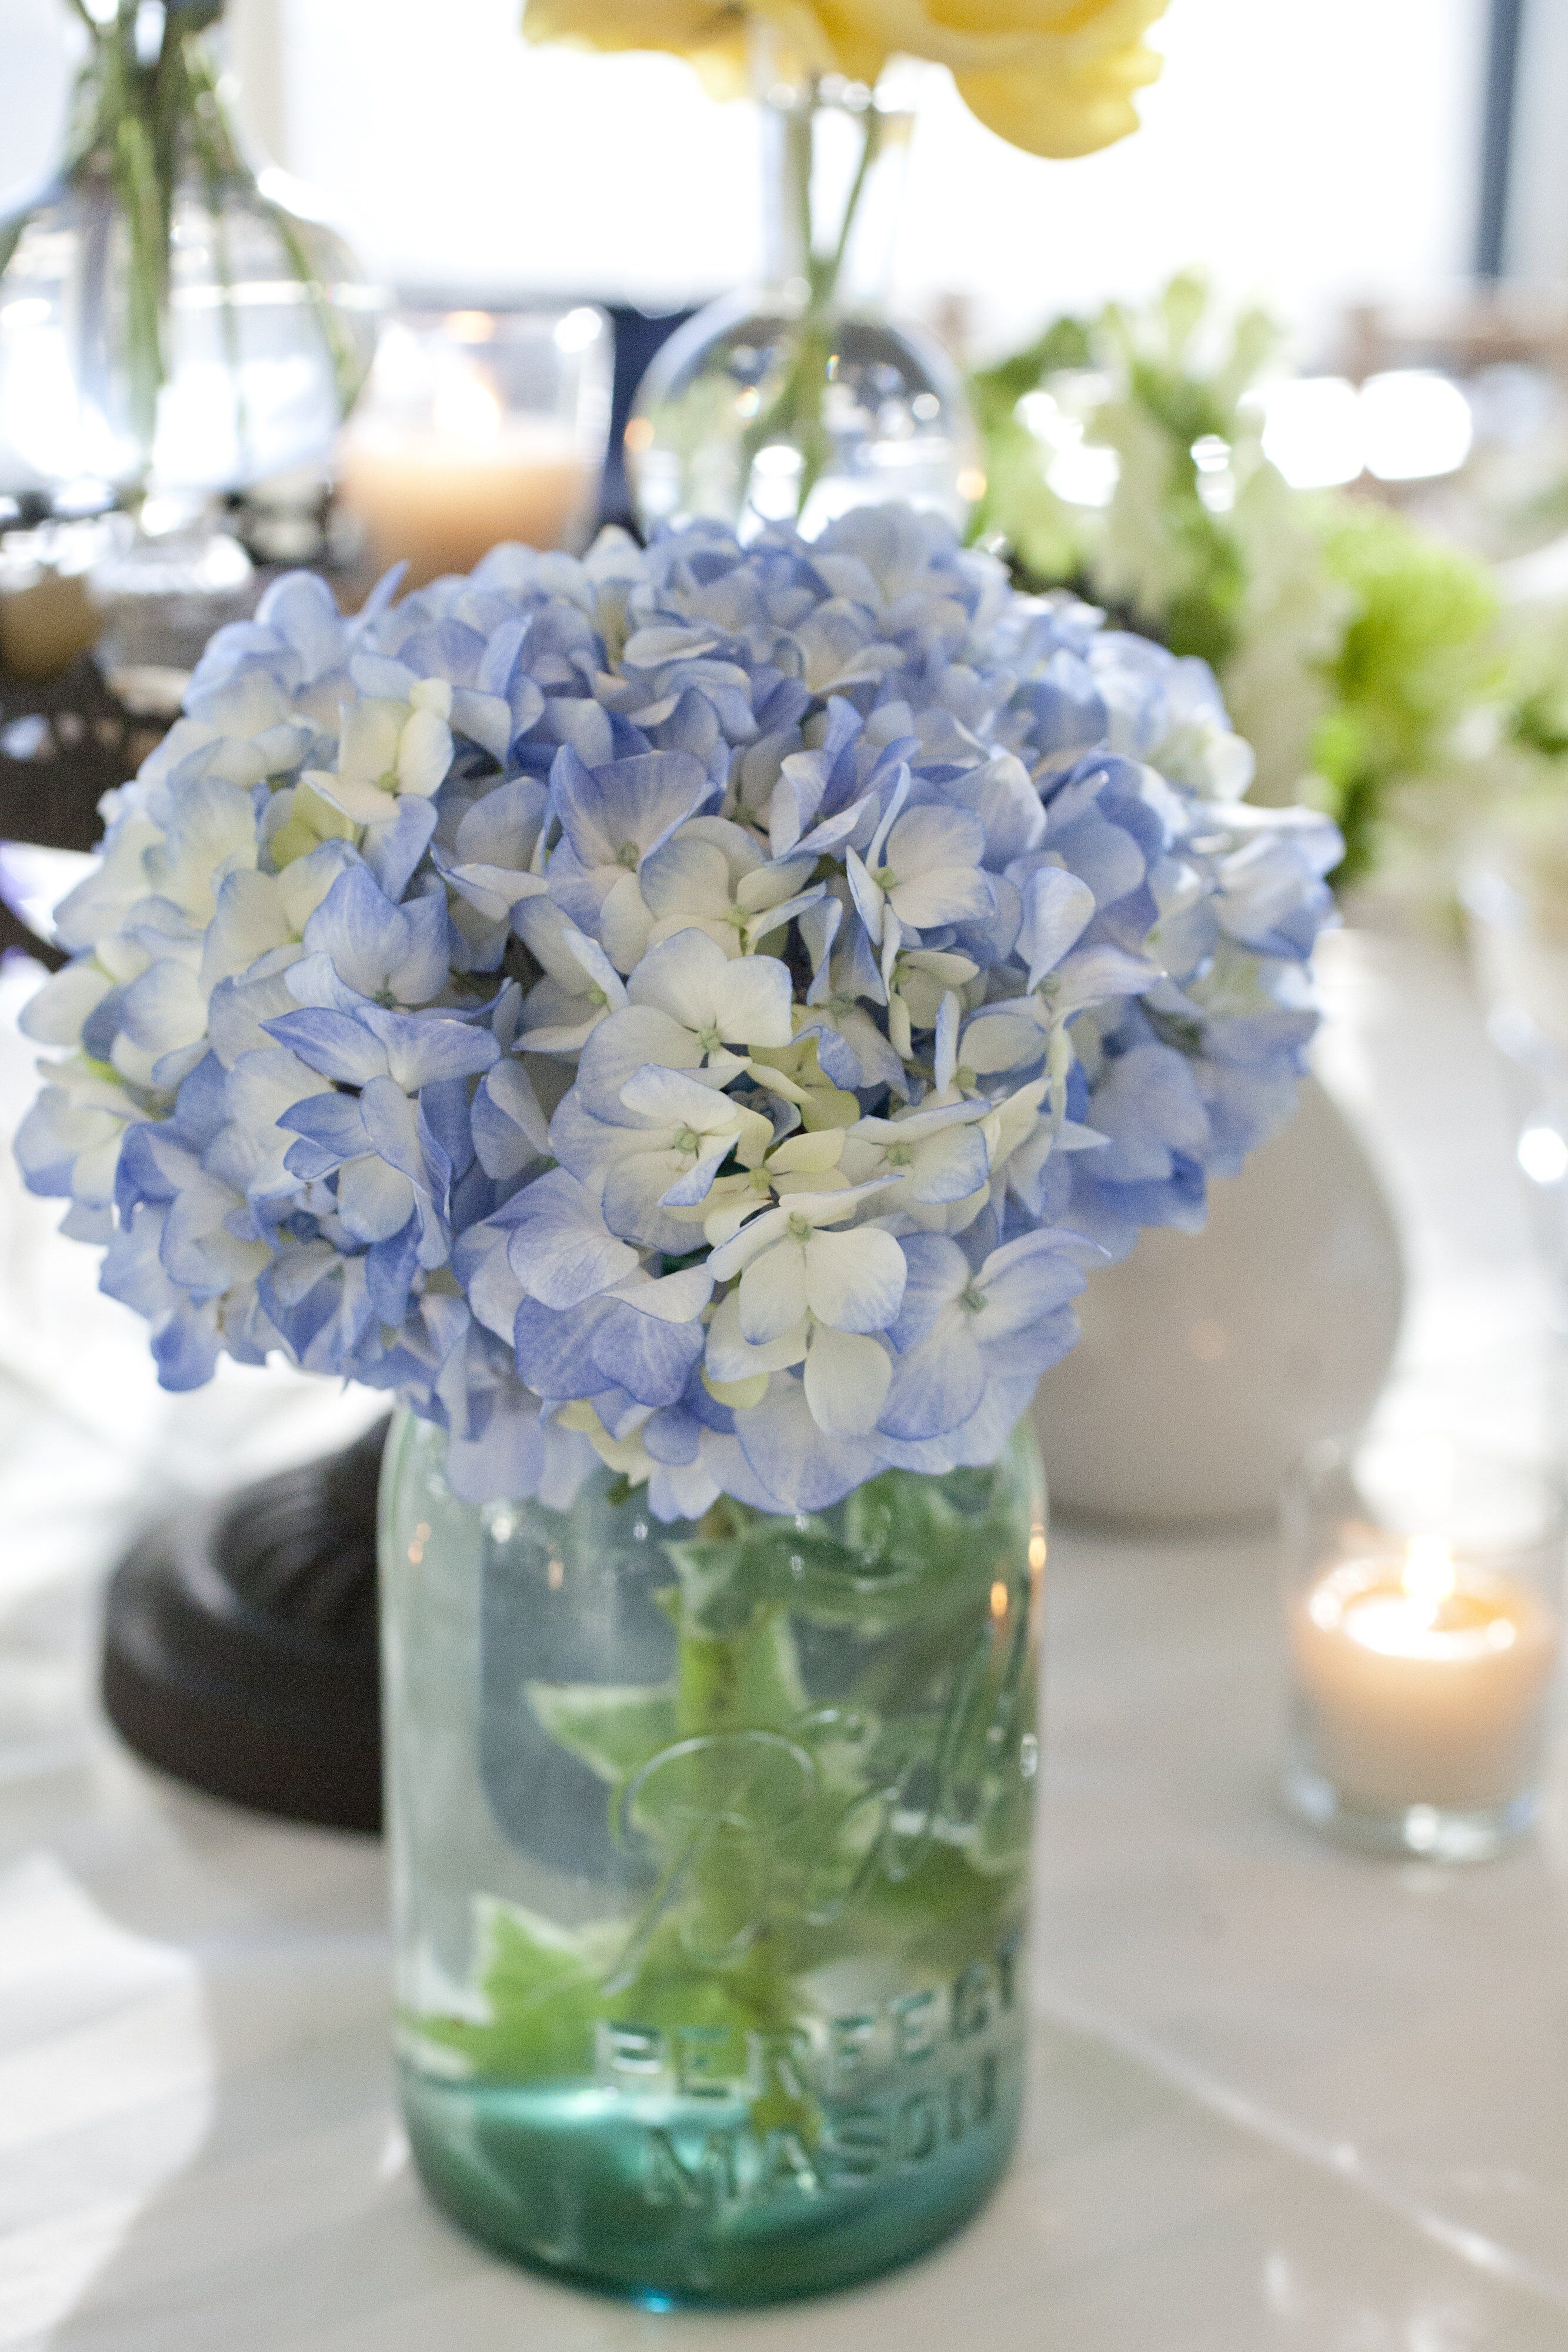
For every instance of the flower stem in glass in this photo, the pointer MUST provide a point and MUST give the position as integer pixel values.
(795, 413)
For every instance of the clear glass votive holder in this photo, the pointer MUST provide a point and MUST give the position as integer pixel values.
(479, 426)
(1424, 1588)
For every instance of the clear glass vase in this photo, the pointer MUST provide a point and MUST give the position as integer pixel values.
(710, 1857)
(799, 399)
(169, 324)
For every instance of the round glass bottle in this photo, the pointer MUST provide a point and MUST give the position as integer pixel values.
(168, 322)
(794, 402)
(710, 1861)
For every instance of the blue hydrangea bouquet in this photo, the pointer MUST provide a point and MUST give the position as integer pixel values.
(686, 1020)
(703, 1008)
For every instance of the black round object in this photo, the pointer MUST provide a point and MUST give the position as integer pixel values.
(240, 1645)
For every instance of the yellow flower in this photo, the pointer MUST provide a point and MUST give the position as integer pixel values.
(1055, 76)
(711, 34)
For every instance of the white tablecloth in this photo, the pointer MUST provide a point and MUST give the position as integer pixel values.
(1281, 2097)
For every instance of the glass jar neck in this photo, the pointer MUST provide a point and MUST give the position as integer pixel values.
(149, 108)
(834, 167)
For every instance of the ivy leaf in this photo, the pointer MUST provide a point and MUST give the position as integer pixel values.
(613, 1727)
(541, 1988)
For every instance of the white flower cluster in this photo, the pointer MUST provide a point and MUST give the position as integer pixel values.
(702, 1006)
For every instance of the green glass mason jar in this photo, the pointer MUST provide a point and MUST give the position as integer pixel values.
(711, 1849)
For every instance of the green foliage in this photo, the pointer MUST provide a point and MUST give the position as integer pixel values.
(1538, 669)
(1166, 391)
(1019, 504)
(1418, 652)
(1539, 721)
(542, 1994)
(609, 1727)
(782, 1834)
(1350, 644)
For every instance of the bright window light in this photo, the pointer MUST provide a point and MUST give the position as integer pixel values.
(33, 881)
(1084, 474)
(1543, 1155)
(1415, 425)
(1312, 431)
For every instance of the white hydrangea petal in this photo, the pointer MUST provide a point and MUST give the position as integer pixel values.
(867, 895)
(424, 753)
(731, 1358)
(774, 1291)
(854, 1280)
(362, 801)
(677, 1297)
(638, 1036)
(1057, 908)
(374, 1200)
(671, 1096)
(687, 877)
(54, 1013)
(594, 965)
(947, 894)
(846, 1380)
(950, 1166)
(625, 922)
(1003, 1040)
(367, 741)
(1098, 972)
(685, 978)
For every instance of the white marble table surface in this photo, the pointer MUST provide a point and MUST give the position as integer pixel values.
(1281, 2097)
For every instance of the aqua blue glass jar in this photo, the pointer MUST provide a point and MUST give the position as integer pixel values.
(710, 1861)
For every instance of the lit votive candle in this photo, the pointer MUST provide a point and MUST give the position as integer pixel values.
(1423, 1689)
(440, 499)
(1423, 1672)
(476, 427)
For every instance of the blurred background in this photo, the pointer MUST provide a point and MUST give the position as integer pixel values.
(454, 157)
(1281, 382)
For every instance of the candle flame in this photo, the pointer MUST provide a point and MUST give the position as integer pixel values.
(1427, 1578)
(465, 407)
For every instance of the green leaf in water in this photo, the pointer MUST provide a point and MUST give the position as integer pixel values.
(540, 1986)
(610, 1726)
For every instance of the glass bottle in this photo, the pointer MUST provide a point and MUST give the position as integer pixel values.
(795, 401)
(709, 1849)
(169, 323)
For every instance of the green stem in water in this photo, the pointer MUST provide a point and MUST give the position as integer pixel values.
(348, 367)
(126, 122)
(795, 413)
(10, 237)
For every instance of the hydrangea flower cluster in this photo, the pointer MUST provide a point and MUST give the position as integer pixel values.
(700, 1007)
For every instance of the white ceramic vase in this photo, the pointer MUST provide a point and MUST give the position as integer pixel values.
(1208, 1361)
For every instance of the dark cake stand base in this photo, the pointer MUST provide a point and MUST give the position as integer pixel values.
(240, 1645)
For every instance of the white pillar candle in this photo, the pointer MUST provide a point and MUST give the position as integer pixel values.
(1425, 1682)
